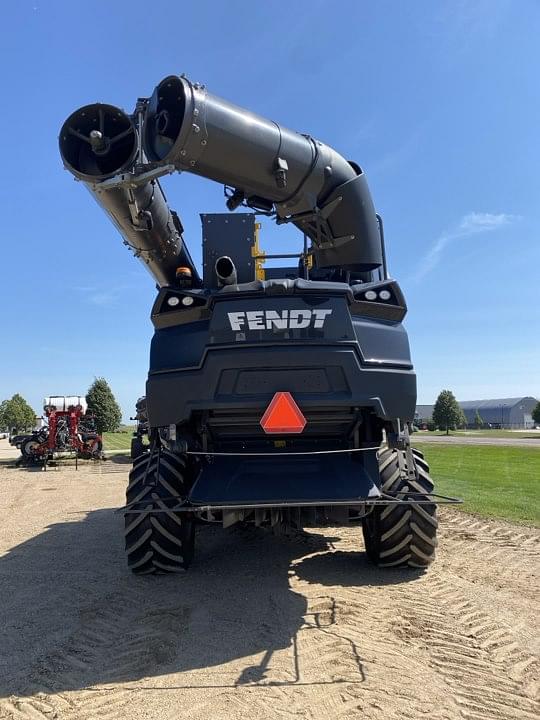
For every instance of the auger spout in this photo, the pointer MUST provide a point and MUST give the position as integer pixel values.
(100, 142)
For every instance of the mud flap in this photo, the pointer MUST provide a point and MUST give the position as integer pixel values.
(281, 479)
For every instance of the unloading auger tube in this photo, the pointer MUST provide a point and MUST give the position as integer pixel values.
(99, 145)
(267, 166)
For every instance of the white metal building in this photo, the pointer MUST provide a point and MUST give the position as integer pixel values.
(508, 413)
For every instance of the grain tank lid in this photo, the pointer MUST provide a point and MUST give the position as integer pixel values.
(62, 403)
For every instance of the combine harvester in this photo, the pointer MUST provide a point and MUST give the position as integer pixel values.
(69, 433)
(281, 397)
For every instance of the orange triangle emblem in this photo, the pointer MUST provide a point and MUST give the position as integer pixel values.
(283, 415)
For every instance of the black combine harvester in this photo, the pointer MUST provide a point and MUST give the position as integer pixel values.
(279, 397)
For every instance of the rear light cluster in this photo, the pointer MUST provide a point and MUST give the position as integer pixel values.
(174, 300)
(383, 300)
(383, 295)
(174, 305)
(179, 301)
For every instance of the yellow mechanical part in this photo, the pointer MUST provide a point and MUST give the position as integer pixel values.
(256, 252)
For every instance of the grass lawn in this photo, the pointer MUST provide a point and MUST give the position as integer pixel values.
(117, 441)
(492, 480)
(535, 434)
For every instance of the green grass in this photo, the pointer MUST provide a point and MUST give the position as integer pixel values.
(117, 441)
(498, 481)
(483, 433)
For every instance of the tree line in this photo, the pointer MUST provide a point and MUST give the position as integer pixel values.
(16, 415)
(448, 415)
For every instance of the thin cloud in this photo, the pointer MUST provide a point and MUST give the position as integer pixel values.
(459, 25)
(400, 155)
(473, 223)
(103, 297)
(97, 296)
(84, 288)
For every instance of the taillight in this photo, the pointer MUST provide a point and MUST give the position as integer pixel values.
(383, 300)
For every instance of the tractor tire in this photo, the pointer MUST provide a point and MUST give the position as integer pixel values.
(158, 540)
(402, 535)
(96, 449)
(27, 447)
(137, 448)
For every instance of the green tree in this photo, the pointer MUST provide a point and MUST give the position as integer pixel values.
(536, 413)
(102, 403)
(16, 414)
(447, 414)
(478, 421)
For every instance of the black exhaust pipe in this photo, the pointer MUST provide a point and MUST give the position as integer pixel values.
(225, 271)
(99, 142)
(268, 166)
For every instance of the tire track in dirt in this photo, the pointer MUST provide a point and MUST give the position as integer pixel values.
(116, 635)
(514, 551)
(297, 627)
(333, 660)
(491, 675)
(386, 671)
(341, 672)
(490, 672)
(321, 674)
(499, 563)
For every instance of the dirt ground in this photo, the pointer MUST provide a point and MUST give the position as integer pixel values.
(261, 626)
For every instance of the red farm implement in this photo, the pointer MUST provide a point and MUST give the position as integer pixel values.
(70, 433)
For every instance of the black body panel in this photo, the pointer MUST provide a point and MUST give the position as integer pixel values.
(255, 345)
(173, 395)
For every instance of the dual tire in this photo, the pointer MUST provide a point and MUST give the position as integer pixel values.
(158, 539)
(402, 535)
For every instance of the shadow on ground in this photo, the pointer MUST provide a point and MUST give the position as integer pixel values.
(72, 617)
(120, 458)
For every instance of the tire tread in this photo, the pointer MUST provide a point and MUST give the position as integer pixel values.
(159, 539)
(402, 535)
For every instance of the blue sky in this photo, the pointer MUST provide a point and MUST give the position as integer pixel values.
(439, 102)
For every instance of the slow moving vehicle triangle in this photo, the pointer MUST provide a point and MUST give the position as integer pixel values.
(283, 415)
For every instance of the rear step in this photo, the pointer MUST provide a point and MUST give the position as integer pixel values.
(280, 480)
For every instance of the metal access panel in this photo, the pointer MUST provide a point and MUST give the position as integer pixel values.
(232, 235)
